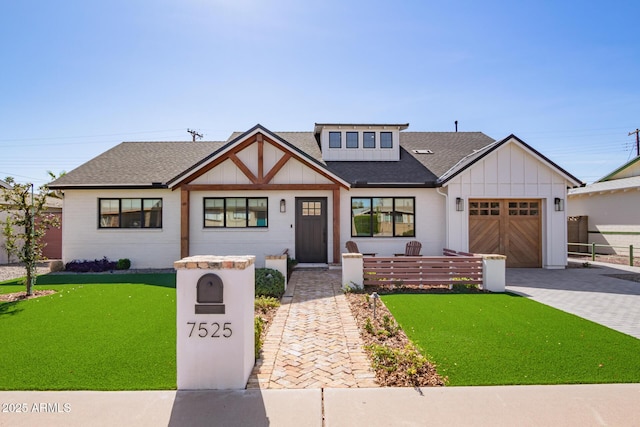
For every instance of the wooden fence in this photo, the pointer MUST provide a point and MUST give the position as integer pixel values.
(453, 269)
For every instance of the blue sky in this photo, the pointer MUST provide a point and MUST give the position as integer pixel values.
(78, 77)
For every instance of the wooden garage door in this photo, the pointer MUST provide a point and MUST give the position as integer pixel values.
(508, 227)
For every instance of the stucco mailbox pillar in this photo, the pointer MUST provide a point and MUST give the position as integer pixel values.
(493, 272)
(352, 270)
(215, 331)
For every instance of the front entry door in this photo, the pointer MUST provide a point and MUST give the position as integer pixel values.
(311, 229)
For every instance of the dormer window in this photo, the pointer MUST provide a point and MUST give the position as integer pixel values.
(352, 139)
(335, 139)
(369, 139)
(349, 142)
(386, 140)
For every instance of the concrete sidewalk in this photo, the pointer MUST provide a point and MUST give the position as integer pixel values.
(567, 405)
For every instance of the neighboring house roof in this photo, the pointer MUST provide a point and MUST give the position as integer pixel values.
(613, 174)
(623, 178)
(4, 184)
(427, 159)
(608, 186)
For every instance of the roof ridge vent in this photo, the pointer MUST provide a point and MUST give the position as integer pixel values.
(422, 151)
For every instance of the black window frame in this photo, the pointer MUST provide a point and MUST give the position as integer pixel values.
(225, 212)
(348, 143)
(339, 139)
(143, 223)
(365, 140)
(392, 216)
(390, 134)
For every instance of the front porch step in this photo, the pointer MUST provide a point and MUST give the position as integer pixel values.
(311, 266)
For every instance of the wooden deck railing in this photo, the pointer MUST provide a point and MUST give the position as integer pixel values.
(423, 270)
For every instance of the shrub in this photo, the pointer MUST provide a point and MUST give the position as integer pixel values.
(258, 324)
(264, 304)
(123, 264)
(269, 283)
(86, 266)
(406, 359)
(291, 263)
(55, 266)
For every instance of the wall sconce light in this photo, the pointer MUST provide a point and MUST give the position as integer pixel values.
(283, 205)
(559, 204)
(459, 204)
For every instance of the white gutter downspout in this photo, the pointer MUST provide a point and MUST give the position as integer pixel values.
(446, 216)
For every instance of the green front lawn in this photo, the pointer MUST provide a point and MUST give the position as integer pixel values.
(499, 339)
(98, 332)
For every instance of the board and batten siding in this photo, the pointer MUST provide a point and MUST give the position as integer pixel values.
(511, 172)
(429, 221)
(146, 248)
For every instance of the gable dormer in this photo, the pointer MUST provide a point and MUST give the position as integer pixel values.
(359, 142)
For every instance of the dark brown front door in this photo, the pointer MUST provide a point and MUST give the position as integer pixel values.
(507, 227)
(311, 230)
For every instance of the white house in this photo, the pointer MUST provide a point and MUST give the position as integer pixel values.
(261, 192)
(612, 205)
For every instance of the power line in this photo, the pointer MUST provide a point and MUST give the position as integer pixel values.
(89, 136)
(637, 132)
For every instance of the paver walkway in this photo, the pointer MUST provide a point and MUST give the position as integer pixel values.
(313, 341)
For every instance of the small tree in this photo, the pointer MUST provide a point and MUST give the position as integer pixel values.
(10, 243)
(26, 211)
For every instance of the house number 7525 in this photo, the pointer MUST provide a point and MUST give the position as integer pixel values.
(213, 329)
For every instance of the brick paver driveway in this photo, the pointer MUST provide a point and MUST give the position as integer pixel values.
(591, 293)
(314, 341)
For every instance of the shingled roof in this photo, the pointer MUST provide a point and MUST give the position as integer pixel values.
(137, 164)
(154, 164)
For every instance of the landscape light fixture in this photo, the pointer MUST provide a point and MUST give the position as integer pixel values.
(559, 204)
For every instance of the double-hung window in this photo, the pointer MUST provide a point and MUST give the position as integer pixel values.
(235, 212)
(130, 213)
(383, 217)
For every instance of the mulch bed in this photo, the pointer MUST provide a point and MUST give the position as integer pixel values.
(21, 296)
(361, 309)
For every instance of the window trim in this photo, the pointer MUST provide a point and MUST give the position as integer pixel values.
(142, 215)
(393, 217)
(225, 212)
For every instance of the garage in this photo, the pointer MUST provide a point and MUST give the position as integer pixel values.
(510, 227)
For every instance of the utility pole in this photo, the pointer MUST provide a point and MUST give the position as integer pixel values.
(637, 132)
(195, 134)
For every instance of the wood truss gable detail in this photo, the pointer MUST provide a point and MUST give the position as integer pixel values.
(264, 177)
